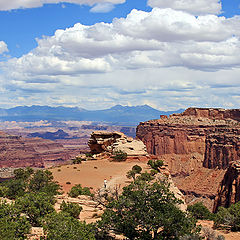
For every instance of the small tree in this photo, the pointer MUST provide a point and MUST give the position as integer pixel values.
(35, 206)
(42, 181)
(147, 210)
(12, 224)
(228, 217)
(59, 226)
(136, 169)
(73, 209)
(14, 188)
(199, 211)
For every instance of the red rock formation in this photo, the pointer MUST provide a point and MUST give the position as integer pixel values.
(202, 131)
(193, 141)
(100, 141)
(16, 152)
(213, 113)
(221, 149)
(229, 189)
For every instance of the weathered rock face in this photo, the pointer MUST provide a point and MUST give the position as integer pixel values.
(229, 189)
(17, 152)
(193, 144)
(102, 141)
(202, 131)
(222, 148)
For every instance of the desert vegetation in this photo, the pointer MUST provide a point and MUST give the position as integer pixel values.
(32, 195)
(144, 209)
(79, 190)
(119, 156)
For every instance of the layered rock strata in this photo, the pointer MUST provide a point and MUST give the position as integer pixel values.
(110, 142)
(18, 152)
(201, 131)
(194, 144)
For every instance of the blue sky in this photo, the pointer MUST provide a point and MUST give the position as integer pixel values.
(97, 53)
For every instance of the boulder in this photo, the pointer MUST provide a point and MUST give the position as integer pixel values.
(102, 141)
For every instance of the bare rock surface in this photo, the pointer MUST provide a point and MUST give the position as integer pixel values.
(102, 141)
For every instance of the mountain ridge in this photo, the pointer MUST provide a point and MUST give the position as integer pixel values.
(116, 115)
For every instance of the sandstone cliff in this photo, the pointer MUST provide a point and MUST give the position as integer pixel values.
(195, 144)
(229, 189)
(196, 131)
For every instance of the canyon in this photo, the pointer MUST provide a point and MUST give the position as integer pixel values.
(198, 146)
(16, 151)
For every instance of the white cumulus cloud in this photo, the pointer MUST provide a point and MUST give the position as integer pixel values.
(3, 47)
(15, 4)
(197, 7)
(163, 57)
(160, 38)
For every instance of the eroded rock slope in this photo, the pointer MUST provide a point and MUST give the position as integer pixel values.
(198, 146)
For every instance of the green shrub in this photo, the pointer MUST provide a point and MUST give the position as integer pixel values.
(88, 154)
(135, 170)
(228, 217)
(72, 209)
(77, 160)
(199, 211)
(119, 156)
(155, 164)
(79, 190)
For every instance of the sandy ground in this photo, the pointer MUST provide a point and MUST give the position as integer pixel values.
(92, 173)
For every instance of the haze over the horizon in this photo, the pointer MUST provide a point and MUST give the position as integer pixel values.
(100, 53)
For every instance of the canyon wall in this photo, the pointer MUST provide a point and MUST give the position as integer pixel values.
(203, 131)
(198, 145)
(17, 152)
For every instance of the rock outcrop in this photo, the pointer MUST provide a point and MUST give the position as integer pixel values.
(194, 144)
(18, 152)
(229, 189)
(110, 142)
(202, 131)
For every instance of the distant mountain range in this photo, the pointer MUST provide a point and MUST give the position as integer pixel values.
(117, 115)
